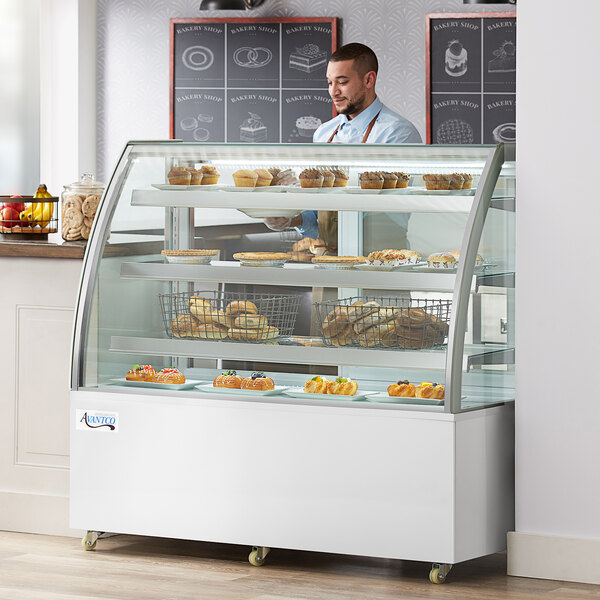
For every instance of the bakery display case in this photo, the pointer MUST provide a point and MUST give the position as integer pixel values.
(345, 387)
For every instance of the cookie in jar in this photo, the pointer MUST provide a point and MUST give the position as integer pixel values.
(79, 204)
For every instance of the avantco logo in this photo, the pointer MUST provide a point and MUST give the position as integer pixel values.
(100, 421)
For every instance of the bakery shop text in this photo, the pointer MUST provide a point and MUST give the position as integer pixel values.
(246, 28)
(199, 97)
(205, 28)
(305, 28)
(455, 24)
(253, 97)
(444, 103)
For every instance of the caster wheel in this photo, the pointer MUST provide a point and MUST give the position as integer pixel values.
(89, 540)
(255, 560)
(434, 576)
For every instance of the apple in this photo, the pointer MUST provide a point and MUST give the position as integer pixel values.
(18, 206)
(9, 217)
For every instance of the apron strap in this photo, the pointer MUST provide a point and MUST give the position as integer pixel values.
(367, 133)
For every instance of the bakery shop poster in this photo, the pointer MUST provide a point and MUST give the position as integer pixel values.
(250, 80)
(471, 69)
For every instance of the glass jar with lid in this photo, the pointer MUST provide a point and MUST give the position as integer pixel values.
(79, 203)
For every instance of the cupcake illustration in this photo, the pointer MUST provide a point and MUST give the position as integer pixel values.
(455, 59)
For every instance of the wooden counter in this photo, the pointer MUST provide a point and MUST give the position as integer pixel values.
(52, 247)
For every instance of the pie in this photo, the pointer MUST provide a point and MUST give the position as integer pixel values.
(262, 256)
(189, 252)
(339, 259)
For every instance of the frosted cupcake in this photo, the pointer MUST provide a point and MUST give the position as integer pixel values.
(311, 178)
(245, 178)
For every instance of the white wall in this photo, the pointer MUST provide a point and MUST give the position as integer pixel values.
(558, 398)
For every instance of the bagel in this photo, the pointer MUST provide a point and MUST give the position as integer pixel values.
(253, 335)
(250, 321)
(240, 307)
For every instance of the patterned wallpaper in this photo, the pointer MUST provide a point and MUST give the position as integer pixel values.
(133, 57)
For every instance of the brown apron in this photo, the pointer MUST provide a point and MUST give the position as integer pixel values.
(327, 219)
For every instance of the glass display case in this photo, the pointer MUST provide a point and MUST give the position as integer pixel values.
(398, 302)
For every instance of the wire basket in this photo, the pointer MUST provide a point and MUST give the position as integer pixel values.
(384, 322)
(233, 316)
(42, 213)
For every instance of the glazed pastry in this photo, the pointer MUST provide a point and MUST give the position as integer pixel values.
(264, 177)
(435, 391)
(404, 389)
(179, 176)
(341, 178)
(342, 386)
(245, 178)
(316, 385)
(371, 180)
(311, 178)
(250, 321)
(228, 379)
(389, 180)
(253, 335)
(403, 179)
(210, 175)
(258, 381)
(328, 178)
(171, 376)
(141, 373)
(441, 260)
(240, 307)
(478, 258)
(196, 176)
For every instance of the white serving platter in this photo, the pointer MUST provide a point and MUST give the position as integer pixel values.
(265, 213)
(208, 387)
(300, 393)
(189, 384)
(169, 186)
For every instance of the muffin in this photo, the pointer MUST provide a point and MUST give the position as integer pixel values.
(403, 179)
(264, 177)
(245, 178)
(443, 182)
(441, 260)
(311, 178)
(389, 180)
(210, 175)
(196, 178)
(467, 181)
(371, 180)
(328, 178)
(456, 181)
(478, 258)
(431, 182)
(341, 178)
(179, 176)
(411, 256)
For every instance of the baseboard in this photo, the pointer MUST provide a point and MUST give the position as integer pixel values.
(549, 557)
(36, 513)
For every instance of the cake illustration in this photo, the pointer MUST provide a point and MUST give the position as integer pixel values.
(505, 59)
(454, 131)
(252, 129)
(307, 125)
(309, 58)
(455, 59)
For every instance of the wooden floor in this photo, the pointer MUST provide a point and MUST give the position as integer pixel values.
(124, 567)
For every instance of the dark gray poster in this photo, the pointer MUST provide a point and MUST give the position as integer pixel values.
(302, 113)
(455, 55)
(499, 55)
(253, 116)
(199, 55)
(199, 115)
(305, 52)
(499, 118)
(456, 119)
(253, 55)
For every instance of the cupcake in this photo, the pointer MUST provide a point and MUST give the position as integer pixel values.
(431, 182)
(403, 179)
(264, 177)
(478, 258)
(371, 180)
(311, 178)
(467, 181)
(210, 175)
(245, 178)
(328, 178)
(389, 180)
(443, 182)
(196, 178)
(179, 176)
(456, 181)
(341, 178)
(441, 260)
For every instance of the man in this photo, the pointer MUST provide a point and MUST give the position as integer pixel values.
(362, 118)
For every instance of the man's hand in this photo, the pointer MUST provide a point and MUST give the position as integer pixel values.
(278, 223)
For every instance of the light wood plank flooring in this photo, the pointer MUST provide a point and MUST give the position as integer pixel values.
(125, 567)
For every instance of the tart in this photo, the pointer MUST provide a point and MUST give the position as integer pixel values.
(258, 381)
(337, 262)
(441, 260)
(311, 178)
(210, 175)
(262, 259)
(371, 180)
(245, 178)
(179, 176)
(390, 180)
(228, 379)
(192, 256)
(264, 177)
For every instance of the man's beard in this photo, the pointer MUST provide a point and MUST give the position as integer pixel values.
(353, 107)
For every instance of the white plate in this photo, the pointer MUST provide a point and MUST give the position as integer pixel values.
(423, 190)
(335, 266)
(367, 267)
(265, 213)
(301, 190)
(300, 393)
(262, 263)
(237, 188)
(189, 384)
(274, 188)
(359, 190)
(406, 190)
(168, 186)
(423, 268)
(384, 397)
(208, 387)
(190, 260)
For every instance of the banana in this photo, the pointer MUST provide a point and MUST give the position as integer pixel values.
(41, 211)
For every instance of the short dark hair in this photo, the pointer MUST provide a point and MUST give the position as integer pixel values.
(364, 58)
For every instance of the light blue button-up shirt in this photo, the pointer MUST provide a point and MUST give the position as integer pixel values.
(390, 128)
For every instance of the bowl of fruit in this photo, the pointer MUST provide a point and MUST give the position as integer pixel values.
(29, 215)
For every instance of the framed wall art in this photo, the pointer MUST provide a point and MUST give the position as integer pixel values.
(470, 80)
(250, 80)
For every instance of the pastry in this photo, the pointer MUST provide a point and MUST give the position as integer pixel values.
(245, 178)
(141, 373)
(456, 181)
(441, 260)
(371, 180)
(253, 335)
(191, 252)
(210, 175)
(304, 244)
(240, 307)
(328, 178)
(264, 177)
(435, 391)
(316, 385)
(390, 180)
(250, 321)
(478, 258)
(196, 176)
(387, 258)
(179, 176)
(443, 182)
(258, 381)
(210, 331)
(228, 379)
(403, 389)
(259, 259)
(403, 179)
(311, 178)
(342, 386)
(171, 376)
(412, 257)
(467, 181)
(183, 325)
(341, 178)
(383, 315)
